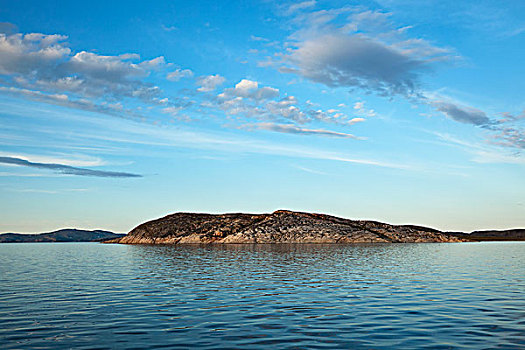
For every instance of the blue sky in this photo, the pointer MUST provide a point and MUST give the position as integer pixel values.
(113, 113)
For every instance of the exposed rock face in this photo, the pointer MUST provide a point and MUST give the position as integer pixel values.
(281, 226)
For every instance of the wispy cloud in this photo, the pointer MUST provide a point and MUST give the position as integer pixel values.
(300, 6)
(360, 109)
(66, 169)
(481, 153)
(36, 190)
(292, 129)
(509, 117)
(509, 137)
(11, 174)
(112, 109)
(308, 170)
(168, 28)
(216, 143)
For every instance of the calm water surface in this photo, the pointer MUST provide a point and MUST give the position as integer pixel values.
(88, 295)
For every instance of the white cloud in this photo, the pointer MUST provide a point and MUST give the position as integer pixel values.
(154, 64)
(171, 110)
(360, 109)
(169, 28)
(258, 38)
(250, 89)
(355, 120)
(248, 99)
(24, 54)
(179, 74)
(44, 68)
(110, 68)
(359, 105)
(210, 82)
(45, 62)
(246, 85)
(285, 110)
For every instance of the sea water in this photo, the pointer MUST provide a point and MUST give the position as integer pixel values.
(375, 296)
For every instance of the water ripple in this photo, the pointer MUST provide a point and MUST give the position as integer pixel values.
(380, 296)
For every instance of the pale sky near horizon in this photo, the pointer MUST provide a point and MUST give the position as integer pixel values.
(116, 112)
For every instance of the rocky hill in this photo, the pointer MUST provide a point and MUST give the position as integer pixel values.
(65, 235)
(282, 226)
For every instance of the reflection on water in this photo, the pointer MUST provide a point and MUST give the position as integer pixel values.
(468, 295)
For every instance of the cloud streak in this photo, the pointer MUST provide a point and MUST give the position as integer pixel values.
(66, 169)
(292, 129)
(300, 6)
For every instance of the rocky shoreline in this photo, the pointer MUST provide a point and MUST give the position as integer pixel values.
(282, 226)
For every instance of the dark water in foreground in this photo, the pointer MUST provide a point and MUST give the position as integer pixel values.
(88, 295)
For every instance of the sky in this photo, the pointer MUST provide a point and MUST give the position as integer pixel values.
(113, 113)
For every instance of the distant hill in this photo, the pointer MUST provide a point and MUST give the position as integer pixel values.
(64, 235)
(517, 234)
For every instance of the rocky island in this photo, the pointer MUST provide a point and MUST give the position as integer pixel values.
(282, 226)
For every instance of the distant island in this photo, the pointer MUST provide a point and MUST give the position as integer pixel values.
(517, 234)
(284, 226)
(64, 235)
